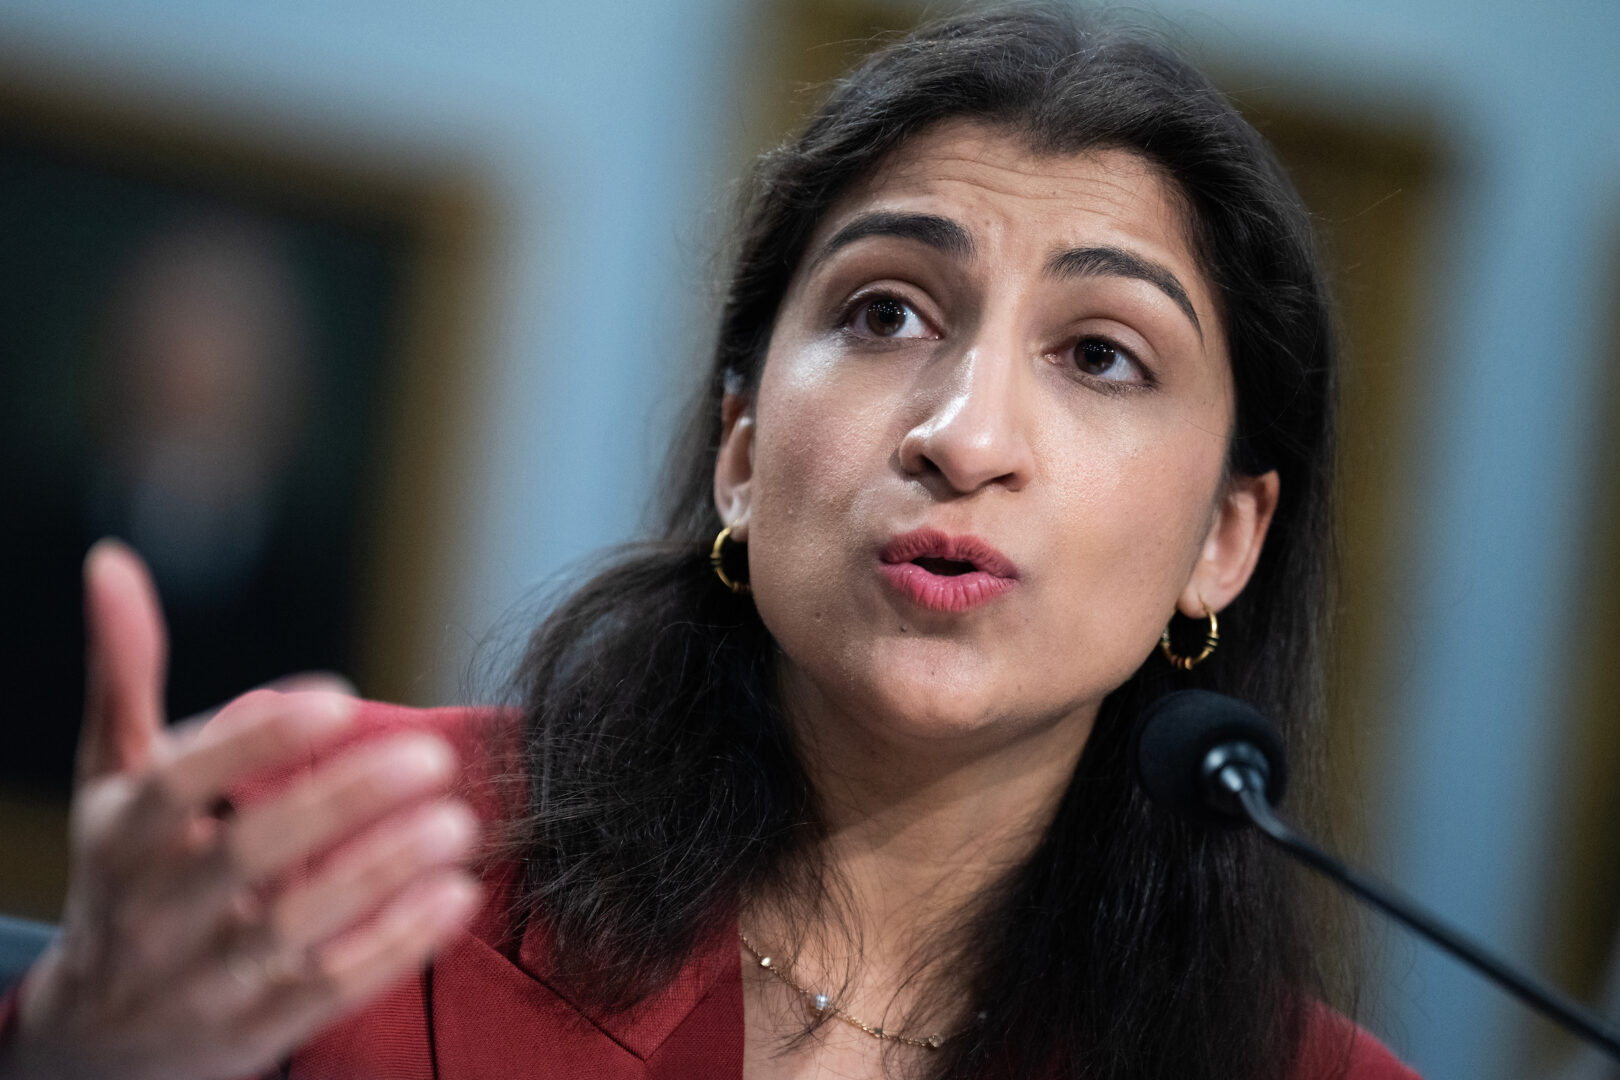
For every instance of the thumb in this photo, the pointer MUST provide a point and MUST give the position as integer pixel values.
(128, 649)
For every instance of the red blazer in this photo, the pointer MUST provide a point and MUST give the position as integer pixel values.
(486, 1009)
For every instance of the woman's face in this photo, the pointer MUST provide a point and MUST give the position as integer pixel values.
(984, 464)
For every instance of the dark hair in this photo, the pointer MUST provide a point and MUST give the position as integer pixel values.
(664, 784)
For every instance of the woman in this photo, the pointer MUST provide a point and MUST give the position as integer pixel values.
(1026, 361)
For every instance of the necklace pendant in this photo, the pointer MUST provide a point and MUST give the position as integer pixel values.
(822, 1004)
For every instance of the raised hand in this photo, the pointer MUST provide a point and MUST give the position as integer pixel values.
(192, 946)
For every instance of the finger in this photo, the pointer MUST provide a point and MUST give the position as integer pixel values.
(256, 734)
(363, 876)
(302, 682)
(273, 1001)
(338, 800)
(347, 973)
(127, 652)
(402, 940)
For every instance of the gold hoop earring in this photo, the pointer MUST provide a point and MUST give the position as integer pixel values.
(717, 559)
(1212, 638)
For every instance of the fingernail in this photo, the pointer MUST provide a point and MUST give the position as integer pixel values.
(456, 900)
(98, 550)
(418, 758)
(319, 713)
(447, 831)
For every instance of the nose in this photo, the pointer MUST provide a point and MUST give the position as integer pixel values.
(973, 432)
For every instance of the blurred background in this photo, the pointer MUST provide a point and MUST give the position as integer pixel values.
(364, 320)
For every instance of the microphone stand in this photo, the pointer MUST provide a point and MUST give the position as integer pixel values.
(1243, 785)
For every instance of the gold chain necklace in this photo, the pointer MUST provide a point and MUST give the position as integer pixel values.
(821, 1004)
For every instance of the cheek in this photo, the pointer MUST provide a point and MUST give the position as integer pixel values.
(1148, 503)
(818, 445)
(824, 431)
(1128, 525)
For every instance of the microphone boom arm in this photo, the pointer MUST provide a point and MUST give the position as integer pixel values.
(1247, 788)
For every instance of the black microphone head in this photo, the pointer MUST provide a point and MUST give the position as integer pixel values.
(1173, 742)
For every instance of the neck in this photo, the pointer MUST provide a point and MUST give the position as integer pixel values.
(918, 827)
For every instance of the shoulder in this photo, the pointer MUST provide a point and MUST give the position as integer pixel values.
(474, 731)
(484, 739)
(1337, 1049)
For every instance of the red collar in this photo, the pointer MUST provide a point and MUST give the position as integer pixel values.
(492, 1007)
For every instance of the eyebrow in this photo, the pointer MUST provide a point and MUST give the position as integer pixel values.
(946, 236)
(940, 233)
(1116, 262)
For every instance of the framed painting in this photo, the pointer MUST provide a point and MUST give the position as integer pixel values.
(244, 353)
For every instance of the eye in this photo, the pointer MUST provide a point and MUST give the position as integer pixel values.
(1100, 358)
(887, 317)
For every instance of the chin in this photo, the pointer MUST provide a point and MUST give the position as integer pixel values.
(939, 693)
(927, 713)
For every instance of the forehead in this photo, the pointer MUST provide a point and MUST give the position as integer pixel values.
(992, 183)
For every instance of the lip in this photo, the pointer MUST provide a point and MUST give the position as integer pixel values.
(992, 574)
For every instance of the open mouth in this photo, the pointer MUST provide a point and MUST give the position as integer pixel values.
(944, 567)
(943, 572)
(947, 556)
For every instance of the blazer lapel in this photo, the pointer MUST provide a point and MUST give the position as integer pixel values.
(495, 1017)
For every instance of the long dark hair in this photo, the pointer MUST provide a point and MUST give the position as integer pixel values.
(665, 788)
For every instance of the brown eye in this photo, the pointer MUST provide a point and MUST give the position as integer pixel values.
(1102, 359)
(886, 318)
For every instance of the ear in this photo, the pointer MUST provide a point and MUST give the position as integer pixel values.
(734, 465)
(1237, 532)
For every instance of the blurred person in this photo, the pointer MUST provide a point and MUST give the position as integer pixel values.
(202, 393)
(188, 427)
(1024, 377)
(201, 404)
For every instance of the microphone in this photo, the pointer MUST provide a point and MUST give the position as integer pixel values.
(1215, 760)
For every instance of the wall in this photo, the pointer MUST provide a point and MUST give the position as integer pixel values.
(1523, 95)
